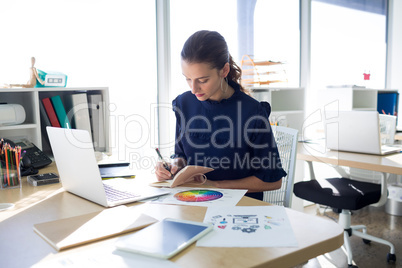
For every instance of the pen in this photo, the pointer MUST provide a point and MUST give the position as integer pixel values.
(165, 165)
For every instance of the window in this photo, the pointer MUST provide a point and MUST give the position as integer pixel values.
(277, 36)
(189, 16)
(272, 33)
(276, 31)
(348, 39)
(96, 43)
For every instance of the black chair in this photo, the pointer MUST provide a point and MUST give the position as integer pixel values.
(344, 195)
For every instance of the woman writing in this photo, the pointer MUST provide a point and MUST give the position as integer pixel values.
(220, 126)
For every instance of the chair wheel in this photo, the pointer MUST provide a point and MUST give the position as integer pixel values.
(366, 241)
(352, 266)
(391, 257)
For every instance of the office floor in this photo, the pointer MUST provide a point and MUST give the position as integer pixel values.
(379, 224)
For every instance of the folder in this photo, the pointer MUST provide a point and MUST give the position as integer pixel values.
(60, 111)
(43, 115)
(97, 116)
(79, 230)
(77, 105)
(387, 103)
(51, 112)
(45, 121)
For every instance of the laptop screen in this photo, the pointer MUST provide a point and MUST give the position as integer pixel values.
(353, 131)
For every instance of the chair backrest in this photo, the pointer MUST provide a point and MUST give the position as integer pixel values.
(286, 140)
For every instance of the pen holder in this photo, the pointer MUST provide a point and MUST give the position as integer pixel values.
(10, 176)
(10, 173)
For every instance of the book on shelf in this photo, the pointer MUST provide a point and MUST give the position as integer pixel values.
(97, 119)
(78, 111)
(45, 121)
(50, 112)
(60, 111)
(188, 175)
(43, 115)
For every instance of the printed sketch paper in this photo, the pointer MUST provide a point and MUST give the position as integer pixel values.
(259, 226)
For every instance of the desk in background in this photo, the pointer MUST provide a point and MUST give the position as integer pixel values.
(398, 136)
(311, 152)
(22, 247)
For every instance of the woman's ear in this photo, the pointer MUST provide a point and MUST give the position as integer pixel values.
(225, 70)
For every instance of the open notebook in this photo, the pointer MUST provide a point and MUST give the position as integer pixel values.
(188, 175)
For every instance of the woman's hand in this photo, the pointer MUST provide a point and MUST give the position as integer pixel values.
(163, 174)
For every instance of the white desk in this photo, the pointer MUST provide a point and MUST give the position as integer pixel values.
(314, 153)
(22, 247)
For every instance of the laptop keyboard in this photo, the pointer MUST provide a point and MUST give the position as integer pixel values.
(113, 194)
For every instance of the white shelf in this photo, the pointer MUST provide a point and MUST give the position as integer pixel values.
(351, 98)
(287, 105)
(22, 126)
(30, 99)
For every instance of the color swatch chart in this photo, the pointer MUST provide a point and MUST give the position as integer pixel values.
(201, 197)
(198, 195)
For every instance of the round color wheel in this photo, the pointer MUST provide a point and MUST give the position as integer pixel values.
(198, 195)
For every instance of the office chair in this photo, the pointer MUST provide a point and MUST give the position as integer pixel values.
(345, 194)
(286, 141)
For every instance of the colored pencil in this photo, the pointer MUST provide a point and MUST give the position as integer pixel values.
(7, 171)
(1, 174)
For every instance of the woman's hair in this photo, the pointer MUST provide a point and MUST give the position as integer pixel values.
(210, 47)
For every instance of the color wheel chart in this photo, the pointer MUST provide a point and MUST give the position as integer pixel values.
(201, 197)
(198, 195)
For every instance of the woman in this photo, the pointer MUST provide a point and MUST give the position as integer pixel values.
(220, 126)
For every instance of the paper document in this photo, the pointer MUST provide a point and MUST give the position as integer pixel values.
(259, 226)
(202, 197)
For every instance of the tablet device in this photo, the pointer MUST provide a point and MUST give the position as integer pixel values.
(113, 170)
(164, 239)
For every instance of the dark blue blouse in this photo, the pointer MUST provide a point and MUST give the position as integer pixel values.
(233, 136)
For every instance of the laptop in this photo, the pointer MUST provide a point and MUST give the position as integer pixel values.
(356, 131)
(79, 172)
